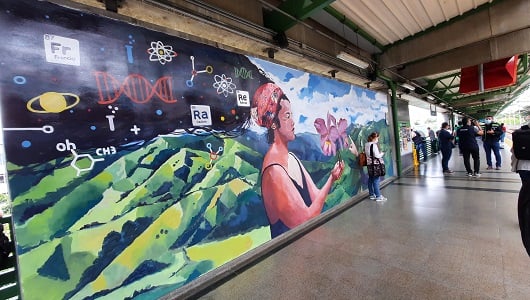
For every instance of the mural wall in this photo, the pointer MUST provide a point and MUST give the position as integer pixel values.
(138, 161)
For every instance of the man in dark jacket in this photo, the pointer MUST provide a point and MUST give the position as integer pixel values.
(491, 137)
(467, 143)
(446, 146)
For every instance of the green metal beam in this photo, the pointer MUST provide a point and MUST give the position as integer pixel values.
(486, 95)
(525, 87)
(509, 102)
(483, 106)
(342, 18)
(395, 126)
(482, 111)
(395, 122)
(446, 87)
(449, 95)
(442, 92)
(446, 76)
(299, 10)
(522, 66)
(490, 110)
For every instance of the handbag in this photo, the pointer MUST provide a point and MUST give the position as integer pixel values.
(377, 168)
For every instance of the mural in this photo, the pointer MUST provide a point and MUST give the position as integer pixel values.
(138, 161)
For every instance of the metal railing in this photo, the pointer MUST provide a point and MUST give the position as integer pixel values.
(9, 283)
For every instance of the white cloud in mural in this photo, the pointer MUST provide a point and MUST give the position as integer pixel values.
(313, 97)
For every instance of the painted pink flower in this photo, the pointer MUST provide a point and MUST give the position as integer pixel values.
(341, 127)
(328, 135)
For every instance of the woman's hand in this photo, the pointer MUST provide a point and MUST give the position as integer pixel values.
(336, 173)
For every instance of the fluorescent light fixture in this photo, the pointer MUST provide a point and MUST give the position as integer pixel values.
(430, 97)
(353, 60)
(407, 86)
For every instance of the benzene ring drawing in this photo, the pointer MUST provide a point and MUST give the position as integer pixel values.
(77, 157)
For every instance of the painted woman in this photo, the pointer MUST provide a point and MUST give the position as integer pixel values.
(289, 193)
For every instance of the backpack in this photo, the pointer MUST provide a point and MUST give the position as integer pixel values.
(521, 143)
(417, 139)
(362, 159)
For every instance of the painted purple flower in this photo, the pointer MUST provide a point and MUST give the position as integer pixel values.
(341, 127)
(328, 134)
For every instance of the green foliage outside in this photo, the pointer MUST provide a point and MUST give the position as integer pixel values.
(5, 204)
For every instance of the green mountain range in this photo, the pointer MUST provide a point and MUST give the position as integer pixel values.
(146, 220)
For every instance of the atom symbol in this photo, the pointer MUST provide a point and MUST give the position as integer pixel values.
(159, 52)
(224, 85)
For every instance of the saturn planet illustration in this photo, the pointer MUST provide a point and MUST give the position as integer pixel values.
(52, 102)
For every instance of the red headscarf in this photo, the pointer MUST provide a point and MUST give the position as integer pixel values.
(265, 104)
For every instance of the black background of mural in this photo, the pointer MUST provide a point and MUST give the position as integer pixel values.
(102, 45)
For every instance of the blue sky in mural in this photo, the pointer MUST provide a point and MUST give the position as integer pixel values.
(313, 96)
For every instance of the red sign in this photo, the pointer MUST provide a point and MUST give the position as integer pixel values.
(496, 74)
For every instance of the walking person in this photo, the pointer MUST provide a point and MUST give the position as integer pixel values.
(446, 139)
(419, 143)
(468, 145)
(372, 154)
(491, 138)
(521, 165)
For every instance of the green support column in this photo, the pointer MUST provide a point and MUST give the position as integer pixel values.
(395, 123)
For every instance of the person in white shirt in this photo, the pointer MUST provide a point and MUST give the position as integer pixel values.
(373, 181)
(522, 167)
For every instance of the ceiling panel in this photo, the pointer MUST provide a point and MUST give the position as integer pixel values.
(389, 21)
(410, 22)
(392, 22)
(366, 19)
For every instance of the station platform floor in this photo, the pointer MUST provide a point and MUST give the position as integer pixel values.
(437, 237)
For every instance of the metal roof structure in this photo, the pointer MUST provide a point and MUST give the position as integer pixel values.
(420, 43)
(426, 43)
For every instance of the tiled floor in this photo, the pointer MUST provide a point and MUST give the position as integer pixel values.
(437, 237)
